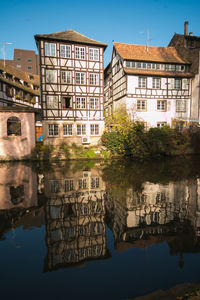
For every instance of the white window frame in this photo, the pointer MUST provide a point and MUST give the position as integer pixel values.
(161, 105)
(81, 129)
(93, 79)
(50, 49)
(141, 105)
(79, 52)
(177, 84)
(80, 78)
(181, 105)
(65, 51)
(94, 54)
(81, 102)
(53, 130)
(67, 129)
(185, 84)
(69, 184)
(51, 76)
(66, 77)
(156, 83)
(52, 102)
(142, 82)
(94, 129)
(94, 103)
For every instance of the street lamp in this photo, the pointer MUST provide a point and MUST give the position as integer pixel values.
(4, 52)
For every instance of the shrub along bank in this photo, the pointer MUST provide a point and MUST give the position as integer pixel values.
(135, 142)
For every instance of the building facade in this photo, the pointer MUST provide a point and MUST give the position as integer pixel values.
(188, 47)
(152, 84)
(72, 89)
(25, 60)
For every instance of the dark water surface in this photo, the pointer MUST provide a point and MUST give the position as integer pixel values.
(97, 230)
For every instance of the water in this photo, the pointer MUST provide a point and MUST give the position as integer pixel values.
(98, 230)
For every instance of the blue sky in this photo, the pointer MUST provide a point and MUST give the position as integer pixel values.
(106, 21)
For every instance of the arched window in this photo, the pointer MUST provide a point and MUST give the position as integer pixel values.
(13, 126)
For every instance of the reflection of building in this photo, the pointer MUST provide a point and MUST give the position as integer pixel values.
(75, 228)
(18, 187)
(156, 211)
(18, 198)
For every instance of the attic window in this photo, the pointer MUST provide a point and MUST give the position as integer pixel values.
(31, 77)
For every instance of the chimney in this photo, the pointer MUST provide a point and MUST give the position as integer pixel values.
(186, 28)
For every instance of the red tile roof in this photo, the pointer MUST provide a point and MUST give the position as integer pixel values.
(144, 53)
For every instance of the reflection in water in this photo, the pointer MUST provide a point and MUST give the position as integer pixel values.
(75, 210)
(142, 205)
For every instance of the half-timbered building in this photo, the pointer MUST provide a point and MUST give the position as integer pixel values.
(153, 84)
(72, 89)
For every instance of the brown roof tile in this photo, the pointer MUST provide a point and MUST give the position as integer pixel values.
(157, 73)
(153, 54)
(70, 36)
(20, 74)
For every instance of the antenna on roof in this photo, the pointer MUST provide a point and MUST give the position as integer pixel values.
(147, 39)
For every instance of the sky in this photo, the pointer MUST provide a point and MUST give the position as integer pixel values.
(126, 21)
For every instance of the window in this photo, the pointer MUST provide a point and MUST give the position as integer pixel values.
(66, 102)
(93, 79)
(93, 54)
(17, 194)
(95, 182)
(51, 76)
(82, 183)
(80, 102)
(185, 84)
(156, 83)
(161, 105)
(29, 59)
(161, 124)
(142, 82)
(29, 68)
(81, 129)
(177, 84)
(65, 51)
(69, 185)
(9, 91)
(94, 129)
(52, 101)
(19, 59)
(50, 49)
(66, 77)
(18, 66)
(180, 105)
(94, 103)
(54, 186)
(67, 129)
(80, 52)
(53, 129)
(13, 126)
(80, 78)
(141, 104)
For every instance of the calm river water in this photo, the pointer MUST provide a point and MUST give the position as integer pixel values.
(98, 230)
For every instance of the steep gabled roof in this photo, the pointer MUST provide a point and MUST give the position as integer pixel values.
(151, 54)
(70, 36)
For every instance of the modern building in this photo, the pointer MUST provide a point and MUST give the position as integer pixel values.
(25, 60)
(188, 47)
(72, 89)
(152, 84)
